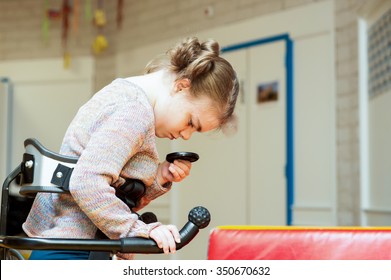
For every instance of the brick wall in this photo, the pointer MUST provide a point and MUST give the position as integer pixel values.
(150, 21)
(21, 35)
(348, 160)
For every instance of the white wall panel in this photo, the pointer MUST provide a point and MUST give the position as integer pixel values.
(45, 99)
(315, 157)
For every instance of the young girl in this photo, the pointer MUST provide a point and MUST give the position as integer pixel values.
(192, 89)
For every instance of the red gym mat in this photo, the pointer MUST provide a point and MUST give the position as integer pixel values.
(299, 243)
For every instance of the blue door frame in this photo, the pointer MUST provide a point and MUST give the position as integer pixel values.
(290, 159)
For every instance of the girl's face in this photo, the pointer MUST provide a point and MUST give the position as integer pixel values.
(179, 116)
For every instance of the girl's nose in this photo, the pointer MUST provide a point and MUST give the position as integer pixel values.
(186, 134)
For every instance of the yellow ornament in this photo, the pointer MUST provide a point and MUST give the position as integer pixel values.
(100, 44)
(67, 60)
(100, 18)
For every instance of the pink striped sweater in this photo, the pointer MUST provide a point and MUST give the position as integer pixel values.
(113, 135)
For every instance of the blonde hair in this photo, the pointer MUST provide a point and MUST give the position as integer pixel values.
(209, 74)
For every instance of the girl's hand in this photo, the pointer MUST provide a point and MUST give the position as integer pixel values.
(165, 237)
(173, 172)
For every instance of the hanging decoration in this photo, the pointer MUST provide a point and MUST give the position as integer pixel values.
(50, 14)
(87, 11)
(120, 6)
(54, 14)
(67, 15)
(100, 18)
(66, 10)
(46, 23)
(100, 43)
(76, 14)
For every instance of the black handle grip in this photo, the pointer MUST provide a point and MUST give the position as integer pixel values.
(199, 217)
(189, 156)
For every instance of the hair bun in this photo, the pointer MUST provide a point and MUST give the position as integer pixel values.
(211, 46)
(193, 57)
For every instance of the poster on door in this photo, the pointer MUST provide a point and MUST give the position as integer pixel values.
(267, 92)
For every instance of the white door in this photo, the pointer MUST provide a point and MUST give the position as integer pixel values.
(45, 99)
(267, 134)
(44, 110)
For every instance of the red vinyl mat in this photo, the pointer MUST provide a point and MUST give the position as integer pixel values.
(299, 243)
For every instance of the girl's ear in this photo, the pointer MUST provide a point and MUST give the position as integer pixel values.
(182, 84)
